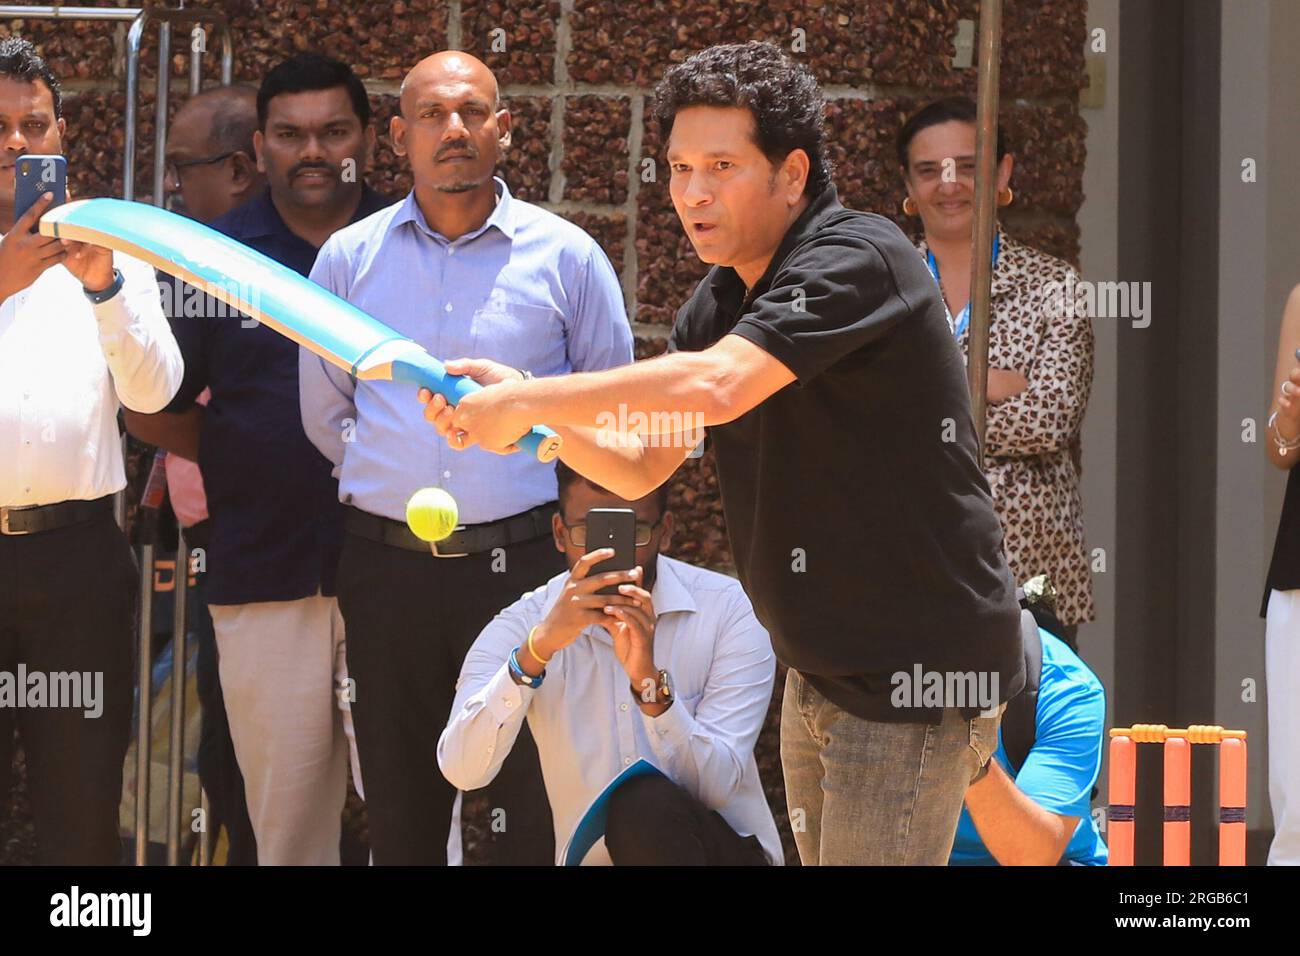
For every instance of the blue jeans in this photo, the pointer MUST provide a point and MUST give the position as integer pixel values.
(869, 793)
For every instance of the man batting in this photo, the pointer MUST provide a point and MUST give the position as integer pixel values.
(817, 355)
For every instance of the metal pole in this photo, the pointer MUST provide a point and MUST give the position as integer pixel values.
(176, 738)
(143, 737)
(160, 109)
(196, 60)
(986, 140)
(144, 711)
(227, 54)
(119, 498)
(133, 38)
(205, 839)
(68, 13)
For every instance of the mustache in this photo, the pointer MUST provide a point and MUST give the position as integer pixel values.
(313, 167)
(462, 150)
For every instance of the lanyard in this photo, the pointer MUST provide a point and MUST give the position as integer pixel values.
(959, 325)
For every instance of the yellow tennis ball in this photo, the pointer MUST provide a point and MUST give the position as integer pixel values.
(431, 514)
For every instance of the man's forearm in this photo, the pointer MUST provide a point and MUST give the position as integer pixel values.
(1015, 829)
(175, 432)
(663, 395)
(615, 462)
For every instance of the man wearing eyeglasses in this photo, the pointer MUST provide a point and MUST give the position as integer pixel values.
(211, 169)
(211, 160)
(674, 669)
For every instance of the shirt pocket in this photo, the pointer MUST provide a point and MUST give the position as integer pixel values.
(526, 337)
(688, 685)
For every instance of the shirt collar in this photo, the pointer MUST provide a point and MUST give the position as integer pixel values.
(669, 593)
(261, 218)
(502, 216)
(1004, 270)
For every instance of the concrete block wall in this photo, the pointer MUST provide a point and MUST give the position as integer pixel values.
(578, 76)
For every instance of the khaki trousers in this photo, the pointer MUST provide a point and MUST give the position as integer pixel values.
(283, 670)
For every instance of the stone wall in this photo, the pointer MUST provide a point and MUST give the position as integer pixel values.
(578, 75)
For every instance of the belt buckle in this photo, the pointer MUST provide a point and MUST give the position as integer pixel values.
(4, 521)
(433, 549)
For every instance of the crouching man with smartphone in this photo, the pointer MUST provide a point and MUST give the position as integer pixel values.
(673, 668)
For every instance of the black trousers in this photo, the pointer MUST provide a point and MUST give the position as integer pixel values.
(68, 601)
(654, 822)
(410, 618)
(218, 770)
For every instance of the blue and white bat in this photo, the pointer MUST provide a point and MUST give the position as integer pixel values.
(260, 287)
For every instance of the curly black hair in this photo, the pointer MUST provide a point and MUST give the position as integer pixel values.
(20, 61)
(782, 95)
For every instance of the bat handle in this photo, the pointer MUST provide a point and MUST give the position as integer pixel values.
(542, 443)
(423, 369)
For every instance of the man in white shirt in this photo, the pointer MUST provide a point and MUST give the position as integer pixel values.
(679, 644)
(81, 329)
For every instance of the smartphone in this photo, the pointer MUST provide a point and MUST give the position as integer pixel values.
(612, 528)
(36, 176)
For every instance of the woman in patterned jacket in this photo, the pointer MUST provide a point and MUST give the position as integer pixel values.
(1040, 354)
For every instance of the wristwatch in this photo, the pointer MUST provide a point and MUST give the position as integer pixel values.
(103, 295)
(663, 690)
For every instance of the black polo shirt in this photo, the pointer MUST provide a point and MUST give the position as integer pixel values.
(862, 526)
(277, 524)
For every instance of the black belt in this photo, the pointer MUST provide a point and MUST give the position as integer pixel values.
(464, 541)
(32, 519)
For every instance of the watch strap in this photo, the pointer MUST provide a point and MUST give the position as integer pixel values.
(103, 295)
(522, 678)
(663, 690)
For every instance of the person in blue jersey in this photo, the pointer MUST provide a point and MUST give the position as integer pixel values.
(1033, 807)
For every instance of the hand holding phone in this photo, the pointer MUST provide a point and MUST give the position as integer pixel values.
(25, 253)
(37, 176)
(612, 528)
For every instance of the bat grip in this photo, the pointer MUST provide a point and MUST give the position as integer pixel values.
(424, 370)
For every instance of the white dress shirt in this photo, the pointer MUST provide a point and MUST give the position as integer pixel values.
(64, 367)
(585, 719)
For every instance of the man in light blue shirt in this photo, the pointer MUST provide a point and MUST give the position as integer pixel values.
(462, 268)
(675, 671)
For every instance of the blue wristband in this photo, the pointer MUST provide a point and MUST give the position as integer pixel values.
(103, 295)
(518, 674)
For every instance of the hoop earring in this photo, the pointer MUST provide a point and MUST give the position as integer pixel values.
(909, 207)
(1011, 197)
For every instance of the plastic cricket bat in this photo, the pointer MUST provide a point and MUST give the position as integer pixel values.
(260, 287)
